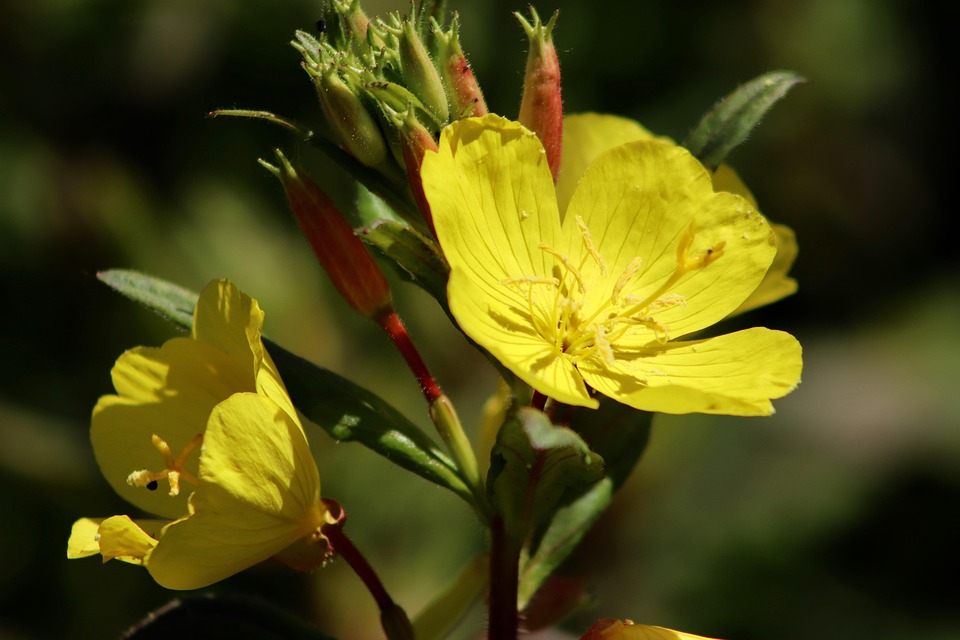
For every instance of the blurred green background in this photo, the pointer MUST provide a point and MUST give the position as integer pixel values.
(836, 518)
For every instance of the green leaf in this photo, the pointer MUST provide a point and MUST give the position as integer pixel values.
(351, 413)
(532, 465)
(618, 433)
(732, 119)
(222, 617)
(416, 256)
(343, 409)
(171, 301)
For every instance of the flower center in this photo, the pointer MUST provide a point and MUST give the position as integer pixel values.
(560, 316)
(173, 471)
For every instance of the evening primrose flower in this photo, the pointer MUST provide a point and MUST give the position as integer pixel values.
(645, 253)
(590, 134)
(610, 629)
(203, 434)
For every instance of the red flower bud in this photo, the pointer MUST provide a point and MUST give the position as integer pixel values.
(415, 141)
(463, 92)
(541, 109)
(342, 254)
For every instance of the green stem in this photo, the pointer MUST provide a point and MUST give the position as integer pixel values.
(442, 413)
(445, 418)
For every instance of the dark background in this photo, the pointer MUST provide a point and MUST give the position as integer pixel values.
(834, 519)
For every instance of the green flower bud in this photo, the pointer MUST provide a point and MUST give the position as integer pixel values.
(356, 127)
(419, 72)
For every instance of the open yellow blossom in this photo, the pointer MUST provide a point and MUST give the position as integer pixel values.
(610, 629)
(587, 135)
(203, 434)
(645, 253)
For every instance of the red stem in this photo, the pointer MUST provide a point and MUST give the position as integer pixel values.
(504, 577)
(344, 548)
(390, 322)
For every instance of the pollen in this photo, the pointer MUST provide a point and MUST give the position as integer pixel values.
(580, 326)
(174, 470)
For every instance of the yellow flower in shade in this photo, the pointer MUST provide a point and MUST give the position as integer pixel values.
(646, 252)
(610, 629)
(203, 434)
(587, 135)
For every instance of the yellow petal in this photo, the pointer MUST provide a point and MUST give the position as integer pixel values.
(127, 540)
(508, 334)
(493, 203)
(726, 179)
(169, 392)
(492, 198)
(232, 321)
(776, 284)
(638, 201)
(586, 136)
(83, 540)
(732, 374)
(627, 630)
(259, 492)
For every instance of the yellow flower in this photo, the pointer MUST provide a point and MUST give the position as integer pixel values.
(587, 135)
(645, 253)
(610, 629)
(203, 434)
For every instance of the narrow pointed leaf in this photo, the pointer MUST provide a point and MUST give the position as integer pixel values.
(169, 300)
(732, 119)
(343, 409)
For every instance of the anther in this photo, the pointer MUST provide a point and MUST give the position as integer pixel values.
(628, 273)
(588, 243)
(173, 471)
(566, 263)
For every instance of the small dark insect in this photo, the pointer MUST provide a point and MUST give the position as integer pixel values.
(321, 25)
(152, 485)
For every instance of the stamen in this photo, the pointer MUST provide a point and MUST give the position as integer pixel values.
(174, 470)
(588, 243)
(628, 273)
(667, 301)
(603, 345)
(530, 280)
(566, 263)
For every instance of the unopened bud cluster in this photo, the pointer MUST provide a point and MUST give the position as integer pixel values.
(382, 83)
(386, 88)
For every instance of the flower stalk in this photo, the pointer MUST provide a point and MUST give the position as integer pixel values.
(393, 618)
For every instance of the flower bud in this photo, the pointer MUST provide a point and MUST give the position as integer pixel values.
(415, 141)
(419, 73)
(541, 109)
(356, 127)
(355, 21)
(463, 93)
(342, 254)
